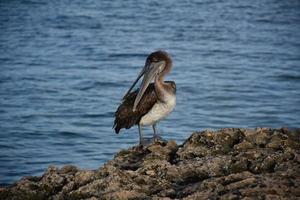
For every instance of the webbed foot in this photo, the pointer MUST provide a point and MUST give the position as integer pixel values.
(157, 137)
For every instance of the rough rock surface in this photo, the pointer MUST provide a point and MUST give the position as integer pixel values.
(226, 164)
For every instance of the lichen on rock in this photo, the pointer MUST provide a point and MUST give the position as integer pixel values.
(236, 163)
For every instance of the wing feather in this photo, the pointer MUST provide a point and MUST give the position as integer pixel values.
(125, 117)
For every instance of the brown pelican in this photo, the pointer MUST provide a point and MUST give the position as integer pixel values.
(152, 102)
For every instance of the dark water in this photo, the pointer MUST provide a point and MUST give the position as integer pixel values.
(66, 64)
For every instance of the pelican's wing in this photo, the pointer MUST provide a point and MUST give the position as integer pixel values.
(125, 117)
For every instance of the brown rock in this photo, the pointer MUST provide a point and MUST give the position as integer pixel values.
(226, 164)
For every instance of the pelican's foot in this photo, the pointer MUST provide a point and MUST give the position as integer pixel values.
(146, 141)
(157, 137)
(149, 141)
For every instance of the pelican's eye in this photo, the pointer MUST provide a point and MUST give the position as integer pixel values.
(154, 60)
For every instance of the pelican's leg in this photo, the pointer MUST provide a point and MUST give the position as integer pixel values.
(140, 133)
(154, 131)
(155, 134)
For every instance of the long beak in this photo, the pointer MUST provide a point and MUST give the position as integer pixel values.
(134, 83)
(149, 71)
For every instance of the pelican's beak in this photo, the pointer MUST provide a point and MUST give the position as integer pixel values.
(134, 83)
(150, 71)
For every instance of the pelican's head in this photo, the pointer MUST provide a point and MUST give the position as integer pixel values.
(157, 65)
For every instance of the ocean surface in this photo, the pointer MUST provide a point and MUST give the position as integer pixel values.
(65, 65)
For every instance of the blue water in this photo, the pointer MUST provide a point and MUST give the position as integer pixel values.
(65, 65)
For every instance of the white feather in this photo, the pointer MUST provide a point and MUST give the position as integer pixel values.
(159, 111)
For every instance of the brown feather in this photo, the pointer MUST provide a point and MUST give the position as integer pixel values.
(125, 117)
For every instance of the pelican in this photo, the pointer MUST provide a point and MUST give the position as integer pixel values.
(152, 102)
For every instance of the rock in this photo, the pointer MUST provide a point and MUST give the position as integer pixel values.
(245, 145)
(84, 177)
(226, 164)
(68, 169)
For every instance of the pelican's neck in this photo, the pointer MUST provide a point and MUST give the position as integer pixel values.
(159, 85)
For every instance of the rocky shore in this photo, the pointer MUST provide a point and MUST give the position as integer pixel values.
(226, 164)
